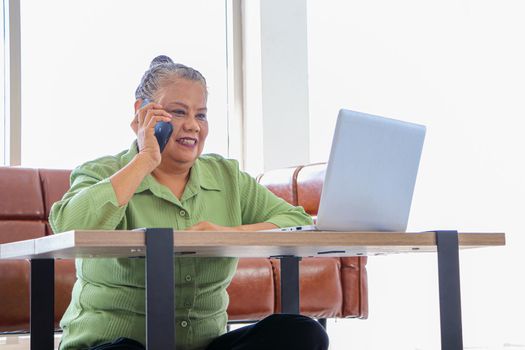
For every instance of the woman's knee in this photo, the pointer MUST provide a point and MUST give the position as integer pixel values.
(299, 332)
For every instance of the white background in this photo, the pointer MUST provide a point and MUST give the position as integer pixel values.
(83, 60)
(457, 67)
(2, 119)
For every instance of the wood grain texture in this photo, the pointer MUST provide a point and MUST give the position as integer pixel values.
(91, 244)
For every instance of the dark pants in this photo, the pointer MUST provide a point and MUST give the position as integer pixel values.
(275, 332)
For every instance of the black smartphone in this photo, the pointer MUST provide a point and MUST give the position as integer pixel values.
(163, 130)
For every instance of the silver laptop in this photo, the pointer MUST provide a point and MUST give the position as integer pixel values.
(370, 176)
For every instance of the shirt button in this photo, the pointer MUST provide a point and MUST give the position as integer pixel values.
(184, 324)
(188, 278)
(182, 213)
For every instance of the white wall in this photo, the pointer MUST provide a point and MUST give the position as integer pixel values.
(457, 67)
(2, 82)
(80, 71)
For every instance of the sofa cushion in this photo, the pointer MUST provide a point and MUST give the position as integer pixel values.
(15, 299)
(319, 287)
(14, 295)
(54, 184)
(281, 182)
(21, 194)
(252, 292)
(14, 289)
(20, 230)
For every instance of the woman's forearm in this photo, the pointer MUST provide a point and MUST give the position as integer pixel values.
(126, 181)
(258, 227)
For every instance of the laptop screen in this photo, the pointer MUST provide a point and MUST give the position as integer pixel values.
(371, 173)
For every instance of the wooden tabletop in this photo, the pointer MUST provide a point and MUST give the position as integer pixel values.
(123, 243)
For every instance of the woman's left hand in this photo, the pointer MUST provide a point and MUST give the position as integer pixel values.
(209, 226)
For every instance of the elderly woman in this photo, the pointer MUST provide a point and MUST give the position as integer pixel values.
(178, 188)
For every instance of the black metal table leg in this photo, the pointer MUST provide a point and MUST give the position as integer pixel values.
(449, 290)
(290, 285)
(160, 295)
(42, 303)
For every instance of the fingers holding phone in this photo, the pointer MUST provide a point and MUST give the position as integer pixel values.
(146, 119)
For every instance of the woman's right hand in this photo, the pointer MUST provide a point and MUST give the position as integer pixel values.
(144, 126)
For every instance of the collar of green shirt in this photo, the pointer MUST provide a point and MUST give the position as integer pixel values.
(200, 179)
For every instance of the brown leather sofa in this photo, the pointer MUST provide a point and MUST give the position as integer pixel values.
(329, 287)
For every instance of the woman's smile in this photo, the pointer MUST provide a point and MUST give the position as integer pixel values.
(189, 142)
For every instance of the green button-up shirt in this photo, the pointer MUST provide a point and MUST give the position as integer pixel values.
(108, 296)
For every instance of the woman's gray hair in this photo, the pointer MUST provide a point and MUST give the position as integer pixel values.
(162, 69)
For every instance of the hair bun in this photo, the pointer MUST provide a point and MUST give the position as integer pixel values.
(159, 60)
